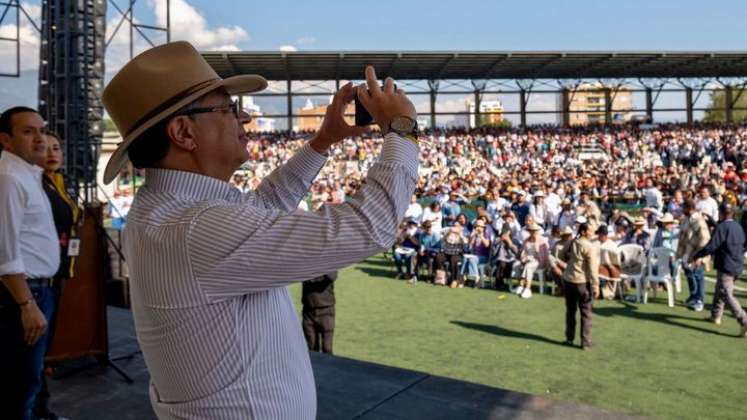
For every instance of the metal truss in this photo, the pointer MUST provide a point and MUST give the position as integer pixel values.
(12, 10)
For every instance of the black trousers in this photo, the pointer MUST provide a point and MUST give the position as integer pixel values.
(319, 328)
(502, 273)
(453, 260)
(578, 296)
(15, 359)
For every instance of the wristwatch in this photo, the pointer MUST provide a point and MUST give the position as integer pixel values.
(405, 127)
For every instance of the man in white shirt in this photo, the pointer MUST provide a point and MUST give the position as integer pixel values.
(29, 257)
(706, 205)
(654, 198)
(415, 210)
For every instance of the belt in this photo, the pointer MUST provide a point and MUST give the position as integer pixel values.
(40, 282)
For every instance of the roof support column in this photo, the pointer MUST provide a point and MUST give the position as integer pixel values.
(523, 108)
(565, 98)
(650, 104)
(479, 88)
(728, 102)
(289, 98)
(689, 104)
(607, 106)
(433, 86)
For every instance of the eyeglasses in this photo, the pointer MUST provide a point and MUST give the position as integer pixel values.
(233, 106)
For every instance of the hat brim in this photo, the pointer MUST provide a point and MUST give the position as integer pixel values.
(245, 83)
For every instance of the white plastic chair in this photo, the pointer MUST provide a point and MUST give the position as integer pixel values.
(659, 272)
(631, 255)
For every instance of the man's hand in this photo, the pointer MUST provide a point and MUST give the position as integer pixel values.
(595, 292)
(384, 105)
(334, 127)
(34, 323)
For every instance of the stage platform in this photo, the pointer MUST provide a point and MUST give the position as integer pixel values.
(346, 389)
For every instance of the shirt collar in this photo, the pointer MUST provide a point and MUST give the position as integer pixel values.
(189, 184)
(16, 160)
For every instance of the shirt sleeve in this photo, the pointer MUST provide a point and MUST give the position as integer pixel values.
(237, 249)
(286, 186)
(12, 199)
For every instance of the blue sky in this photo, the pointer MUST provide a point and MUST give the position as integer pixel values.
(485, 25)
(718, 25)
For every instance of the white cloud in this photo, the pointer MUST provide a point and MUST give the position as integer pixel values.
(29, 38)
(187, 24)
(288, 48)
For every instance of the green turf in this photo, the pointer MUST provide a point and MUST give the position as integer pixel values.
(648, 360)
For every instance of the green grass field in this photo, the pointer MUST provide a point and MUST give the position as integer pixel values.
(648, 360)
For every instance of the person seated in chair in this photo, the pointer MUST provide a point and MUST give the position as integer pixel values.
(430, 246)
(610, 267)
(406, 249)
(479, 251)
(534, 256)
(505, 253)
(452, 245)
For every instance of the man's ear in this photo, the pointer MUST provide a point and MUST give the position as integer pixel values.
(181, 133)
(5, 141)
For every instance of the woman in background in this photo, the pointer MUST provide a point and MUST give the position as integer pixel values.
(66, 217)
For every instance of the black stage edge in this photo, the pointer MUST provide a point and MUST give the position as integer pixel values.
(346, 389)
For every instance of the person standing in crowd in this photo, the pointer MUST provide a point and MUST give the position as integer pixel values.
(538, 210)
(706, 205)
(581, 278)
(209, 265)
(318, 312)
(433, 214)
(694, 235)
(452, 209)
(521, 207)
(66, 215)
(727, 247)
(29, 257)
(654, 198)
(567, 216)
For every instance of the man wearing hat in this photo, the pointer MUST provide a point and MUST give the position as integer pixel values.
(610, 266)
(639, 235)
(208, 264)
(694, 235)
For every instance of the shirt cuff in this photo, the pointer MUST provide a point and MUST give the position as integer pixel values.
(400, 150)
(12, 267)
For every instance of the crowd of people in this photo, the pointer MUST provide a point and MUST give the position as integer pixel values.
(497, 205)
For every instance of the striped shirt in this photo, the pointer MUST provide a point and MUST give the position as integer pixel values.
(209, 268)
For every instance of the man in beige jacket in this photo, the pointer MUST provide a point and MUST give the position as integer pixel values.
(694, 235)
(581, 277)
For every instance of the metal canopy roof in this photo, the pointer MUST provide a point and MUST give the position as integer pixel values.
(320, 65)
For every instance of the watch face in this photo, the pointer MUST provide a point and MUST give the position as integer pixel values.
(403, 124)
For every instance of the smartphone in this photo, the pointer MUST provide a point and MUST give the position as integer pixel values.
(362, 116)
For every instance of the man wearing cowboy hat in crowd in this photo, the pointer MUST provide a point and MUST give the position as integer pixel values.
(208, 264)
(694, 235)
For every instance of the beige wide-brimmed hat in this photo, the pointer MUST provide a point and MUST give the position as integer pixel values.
(668, 218)
(154, 85)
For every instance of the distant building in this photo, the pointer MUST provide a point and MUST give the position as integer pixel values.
(587, 102)
(310, 117)
(258, 123)
(491, 113)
